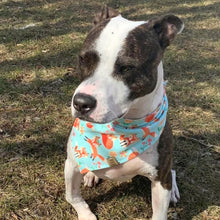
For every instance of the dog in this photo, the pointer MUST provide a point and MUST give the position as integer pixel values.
(122, 87)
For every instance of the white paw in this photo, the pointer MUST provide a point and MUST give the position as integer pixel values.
(91, 216)
(90, 179)
(87, 217)
(175, 195)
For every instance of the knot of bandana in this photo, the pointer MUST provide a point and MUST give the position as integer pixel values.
(98, 146)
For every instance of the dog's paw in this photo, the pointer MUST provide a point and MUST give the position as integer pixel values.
(90, 179)
(175, 195)
(91, 216)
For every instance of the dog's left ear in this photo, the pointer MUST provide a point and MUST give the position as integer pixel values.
(105, 14)
(167, 27)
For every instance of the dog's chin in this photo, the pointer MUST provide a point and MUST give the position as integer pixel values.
(108, 118)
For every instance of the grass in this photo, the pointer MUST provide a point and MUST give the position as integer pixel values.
(38, 77)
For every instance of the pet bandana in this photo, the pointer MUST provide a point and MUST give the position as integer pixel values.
(98, 146)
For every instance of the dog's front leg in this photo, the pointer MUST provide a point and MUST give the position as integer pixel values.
(73, 179)
(160, 200)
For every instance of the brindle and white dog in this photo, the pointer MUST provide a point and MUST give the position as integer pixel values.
(120, 62)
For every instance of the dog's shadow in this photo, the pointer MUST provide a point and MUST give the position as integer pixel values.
(108, 191)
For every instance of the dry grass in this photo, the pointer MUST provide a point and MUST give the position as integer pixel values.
(37, 80)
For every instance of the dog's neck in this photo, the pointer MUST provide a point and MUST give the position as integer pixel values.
(148, 103)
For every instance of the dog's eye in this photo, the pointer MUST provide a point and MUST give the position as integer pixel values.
(125, 69)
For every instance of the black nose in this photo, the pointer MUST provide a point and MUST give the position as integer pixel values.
(84, 103)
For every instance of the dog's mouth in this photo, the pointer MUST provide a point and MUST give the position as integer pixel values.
(106, 119)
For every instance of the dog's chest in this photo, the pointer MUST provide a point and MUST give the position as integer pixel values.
(144, 164)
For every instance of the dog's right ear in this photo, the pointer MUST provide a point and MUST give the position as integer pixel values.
(167, 27)
(105, 14)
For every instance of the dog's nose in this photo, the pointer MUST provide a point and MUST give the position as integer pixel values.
(84, 103)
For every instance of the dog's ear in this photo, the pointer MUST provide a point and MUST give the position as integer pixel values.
(167, 27)
(106, 13)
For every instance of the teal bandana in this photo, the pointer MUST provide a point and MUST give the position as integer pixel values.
(98, 146)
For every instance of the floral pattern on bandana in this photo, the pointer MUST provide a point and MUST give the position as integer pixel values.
(98, 146)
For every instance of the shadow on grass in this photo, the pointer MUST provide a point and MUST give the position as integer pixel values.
(55, 90)
(68, 18)
(63, 58)
(197, 187)
(71, 19)
(25, 4)
(138, 189)
(41, 148)
(62, 27)
(177, 9)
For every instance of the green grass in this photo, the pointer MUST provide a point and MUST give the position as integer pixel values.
(38, 77)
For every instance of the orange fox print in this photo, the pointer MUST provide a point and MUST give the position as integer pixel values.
(147, 132)
(126, 141)
(76, 123)
(82, 130)
(133, 155)
(150, 117)
(123, 154)
(94, 143)
(112, 154)
(84, 171)
(108, 140)
(161, 123)
(89, 125)
(80, 152)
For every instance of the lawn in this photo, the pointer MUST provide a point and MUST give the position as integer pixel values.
(39, 42)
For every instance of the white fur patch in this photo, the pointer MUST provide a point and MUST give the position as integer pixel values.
(111, 41)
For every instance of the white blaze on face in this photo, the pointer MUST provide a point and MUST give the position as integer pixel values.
(111, 94)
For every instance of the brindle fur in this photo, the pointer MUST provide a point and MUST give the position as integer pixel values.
(165, 148)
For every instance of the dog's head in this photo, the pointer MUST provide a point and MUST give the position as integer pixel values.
(118, 63)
